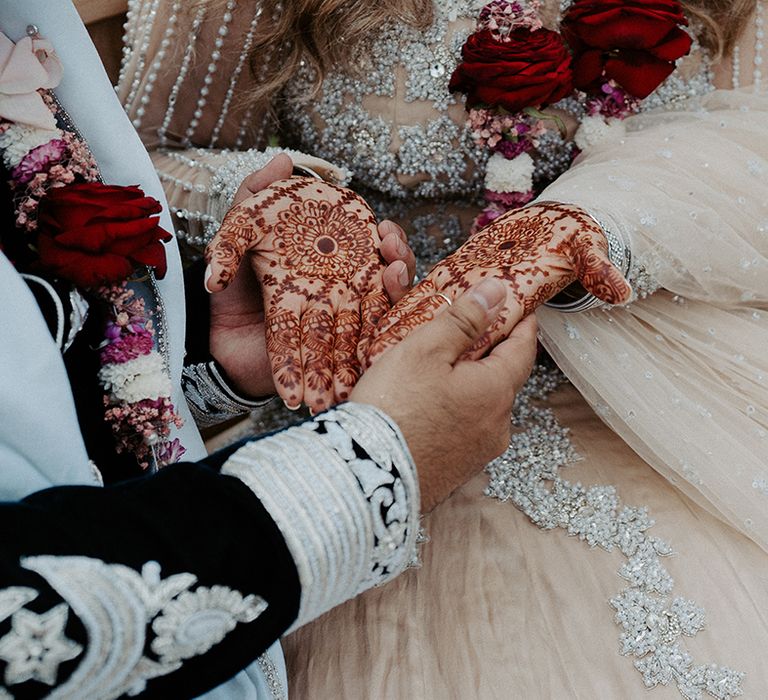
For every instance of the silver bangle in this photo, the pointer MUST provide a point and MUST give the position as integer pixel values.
(211, 400)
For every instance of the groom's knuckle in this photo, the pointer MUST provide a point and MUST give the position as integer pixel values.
(467, 324)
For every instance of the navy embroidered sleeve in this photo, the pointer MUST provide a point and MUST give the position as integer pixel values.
(106, 592)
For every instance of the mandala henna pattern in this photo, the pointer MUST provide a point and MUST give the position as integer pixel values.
(536, 251)
(315, 250)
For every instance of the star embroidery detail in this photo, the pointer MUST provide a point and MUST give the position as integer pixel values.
(36, 646)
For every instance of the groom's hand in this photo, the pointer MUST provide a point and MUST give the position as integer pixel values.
(454, 413)
(237, 333)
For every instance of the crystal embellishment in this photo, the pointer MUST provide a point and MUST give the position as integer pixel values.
(652, 626)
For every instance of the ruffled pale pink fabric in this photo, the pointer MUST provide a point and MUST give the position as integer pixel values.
(25, 68)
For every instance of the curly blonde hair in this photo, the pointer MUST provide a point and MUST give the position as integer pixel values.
(326, 33)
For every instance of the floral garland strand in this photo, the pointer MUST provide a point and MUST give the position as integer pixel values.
(610, 55)
(92, 235)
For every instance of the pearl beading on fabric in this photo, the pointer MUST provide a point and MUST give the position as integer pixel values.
(244, 53)
(757, 73)
(157, 63)
(186, 60)
(272, 675)
(146, 22)
(202, 97)
(437, 151)
(528, 475)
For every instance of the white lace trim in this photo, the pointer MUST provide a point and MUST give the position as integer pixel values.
(343, 491)
(116, 605)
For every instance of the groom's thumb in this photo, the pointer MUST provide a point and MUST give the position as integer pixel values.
(460, 326)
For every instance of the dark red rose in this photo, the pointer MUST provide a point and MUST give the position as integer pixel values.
(634, 42)
(94, 234)
(531, 70)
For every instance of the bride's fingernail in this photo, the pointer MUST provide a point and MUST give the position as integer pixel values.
(292, 408)
(208, 275)
(403, 277)
(489, 293)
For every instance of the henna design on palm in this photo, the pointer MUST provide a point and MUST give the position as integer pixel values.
(536, 251)
(315, 250)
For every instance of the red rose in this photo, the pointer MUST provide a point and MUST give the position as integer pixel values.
(94, 234)
(532, 69)
(634, 42)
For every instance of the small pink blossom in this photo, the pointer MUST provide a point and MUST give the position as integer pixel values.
(39, 160)
(171, 452)
(509, 200)
(502, 17)
(127, 347)
(613, 102)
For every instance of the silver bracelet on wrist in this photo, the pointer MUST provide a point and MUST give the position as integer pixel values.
(211, 400)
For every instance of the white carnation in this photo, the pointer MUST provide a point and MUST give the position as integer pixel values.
(19, 140)
(135, 380)
(514, 175)
(595, 130)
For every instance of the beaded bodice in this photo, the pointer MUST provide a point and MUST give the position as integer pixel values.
(393, 123)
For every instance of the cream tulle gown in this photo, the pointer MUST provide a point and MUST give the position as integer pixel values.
(665, 416)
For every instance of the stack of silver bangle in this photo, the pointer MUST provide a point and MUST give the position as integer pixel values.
(210, 398)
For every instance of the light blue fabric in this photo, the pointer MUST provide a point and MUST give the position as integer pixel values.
(40, 441)
(251, 684)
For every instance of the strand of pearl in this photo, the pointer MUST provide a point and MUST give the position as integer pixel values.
(757, 73)
(236, 75)
(157, 63)
(245, 123)
(129, 36)
(186, 60)
(202, 96)
(191, 162)
(146, 22)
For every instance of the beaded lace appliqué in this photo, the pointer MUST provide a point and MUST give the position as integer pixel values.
(652, 624)
(363, 141)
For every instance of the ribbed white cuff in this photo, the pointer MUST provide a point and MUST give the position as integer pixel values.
(344, 492)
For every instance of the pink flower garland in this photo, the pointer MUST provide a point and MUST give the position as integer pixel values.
(133, 374)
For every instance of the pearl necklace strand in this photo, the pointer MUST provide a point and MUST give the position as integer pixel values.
(757, 73)
(129, 37)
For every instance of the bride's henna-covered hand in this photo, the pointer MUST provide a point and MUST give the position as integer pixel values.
(536, 251)
(315, 250)
(237, 330)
